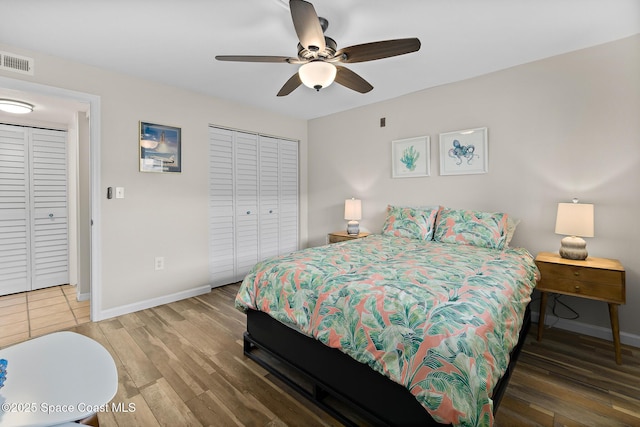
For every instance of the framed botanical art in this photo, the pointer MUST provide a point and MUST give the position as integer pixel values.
(464, 152)
(410, 157)
(160, 148)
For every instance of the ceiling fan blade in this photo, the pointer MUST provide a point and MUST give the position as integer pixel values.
(307, 25)
(348, 78)
(291, 85)
(378, 50)
(254, 58)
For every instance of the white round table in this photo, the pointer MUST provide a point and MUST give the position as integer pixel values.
(54, 379)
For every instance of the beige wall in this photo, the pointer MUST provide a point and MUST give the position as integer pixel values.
(161, 214)
(563, 127)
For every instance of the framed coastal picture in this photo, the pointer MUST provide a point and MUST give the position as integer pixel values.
(160, 148)
(410, 157)
(464, 152)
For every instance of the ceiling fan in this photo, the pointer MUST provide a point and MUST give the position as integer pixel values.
(318, 55)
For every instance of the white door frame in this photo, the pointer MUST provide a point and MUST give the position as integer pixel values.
(94, 147)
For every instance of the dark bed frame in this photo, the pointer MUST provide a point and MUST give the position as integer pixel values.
(350, 391)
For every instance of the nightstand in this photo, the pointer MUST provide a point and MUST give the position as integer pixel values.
(341, 236)
(600, 279)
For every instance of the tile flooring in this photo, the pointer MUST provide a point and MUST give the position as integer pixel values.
(34, 313)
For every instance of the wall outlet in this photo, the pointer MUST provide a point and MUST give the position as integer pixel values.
(159, 263)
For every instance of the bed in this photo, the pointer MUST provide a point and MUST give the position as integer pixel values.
(419, 325)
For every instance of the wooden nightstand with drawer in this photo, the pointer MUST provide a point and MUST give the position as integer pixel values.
(341, 236)
(600, 279)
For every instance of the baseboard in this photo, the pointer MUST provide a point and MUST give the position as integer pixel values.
(81, 297)
(587, 329)
(153, 302)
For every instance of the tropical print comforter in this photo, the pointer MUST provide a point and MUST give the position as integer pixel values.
(437, 318)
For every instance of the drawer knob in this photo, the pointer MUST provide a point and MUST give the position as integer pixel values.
(577, 288)
(576, 273)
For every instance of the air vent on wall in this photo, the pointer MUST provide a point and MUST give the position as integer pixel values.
(16, 63)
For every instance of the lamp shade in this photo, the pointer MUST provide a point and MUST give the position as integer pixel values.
(575, 219)
(353, 209)
(317, 74)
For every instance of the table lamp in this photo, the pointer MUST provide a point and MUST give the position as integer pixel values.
(353, 213)
(574, 220)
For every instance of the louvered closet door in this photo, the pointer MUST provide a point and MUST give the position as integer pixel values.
(221, 207)
(288, 183)
(34, 242)
(15, 273)
(253, 181)
(246, 202)
(50, 238)
(269, 197)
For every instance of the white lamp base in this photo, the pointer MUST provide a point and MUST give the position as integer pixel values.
(573, 247)
(353, 228)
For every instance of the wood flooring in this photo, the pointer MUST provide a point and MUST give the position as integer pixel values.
(181, 364)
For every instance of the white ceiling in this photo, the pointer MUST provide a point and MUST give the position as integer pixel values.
(175, 41)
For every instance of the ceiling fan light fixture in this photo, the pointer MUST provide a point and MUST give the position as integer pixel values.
(318, 53)
(15, 107)
(317, 74)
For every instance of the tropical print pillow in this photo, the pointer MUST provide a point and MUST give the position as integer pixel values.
(415, 223)
(466, 227)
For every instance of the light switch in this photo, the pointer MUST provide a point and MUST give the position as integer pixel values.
(119, 192)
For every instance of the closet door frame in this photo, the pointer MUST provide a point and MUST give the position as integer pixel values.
(93, 113)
